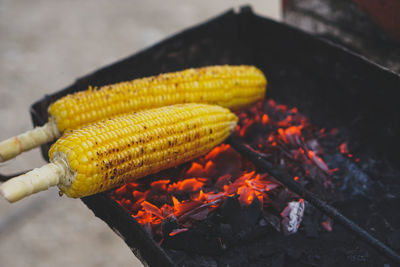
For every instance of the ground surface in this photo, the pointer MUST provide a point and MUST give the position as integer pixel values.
(44, 46)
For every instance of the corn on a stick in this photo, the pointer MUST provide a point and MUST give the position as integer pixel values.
(110, 153)
(233, 87)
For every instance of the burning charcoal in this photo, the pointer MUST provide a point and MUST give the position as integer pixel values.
(199, 211)
(200, 215)
(318, 161)
(225, 161)
(151, 209)
(221, 200)
(327, 223)
(343, 148)
(292, 216)
(178, 231)
(196, 170)
(223, 180)
(190, 185)
(168, 225)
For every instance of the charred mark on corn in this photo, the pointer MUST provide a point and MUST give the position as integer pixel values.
(232, 87)
(126, 150)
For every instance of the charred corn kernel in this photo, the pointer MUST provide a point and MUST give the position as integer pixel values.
(112, 152)
(233, 87)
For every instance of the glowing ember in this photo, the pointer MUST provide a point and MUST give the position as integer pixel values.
(344, 149)
(327, 225)
(188, 194)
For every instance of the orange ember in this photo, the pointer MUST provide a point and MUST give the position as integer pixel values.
(189, 193)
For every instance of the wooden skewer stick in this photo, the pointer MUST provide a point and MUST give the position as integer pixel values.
(14, 146)
(37, 180)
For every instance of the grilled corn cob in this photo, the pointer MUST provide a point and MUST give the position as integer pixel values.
(232, 87)
(107, 154)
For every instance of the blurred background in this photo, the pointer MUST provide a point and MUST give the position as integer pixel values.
(45, 45)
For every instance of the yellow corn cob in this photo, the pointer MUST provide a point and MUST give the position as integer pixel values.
(233, 87)
(107, 154)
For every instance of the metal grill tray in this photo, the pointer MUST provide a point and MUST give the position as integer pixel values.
(329, 84)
